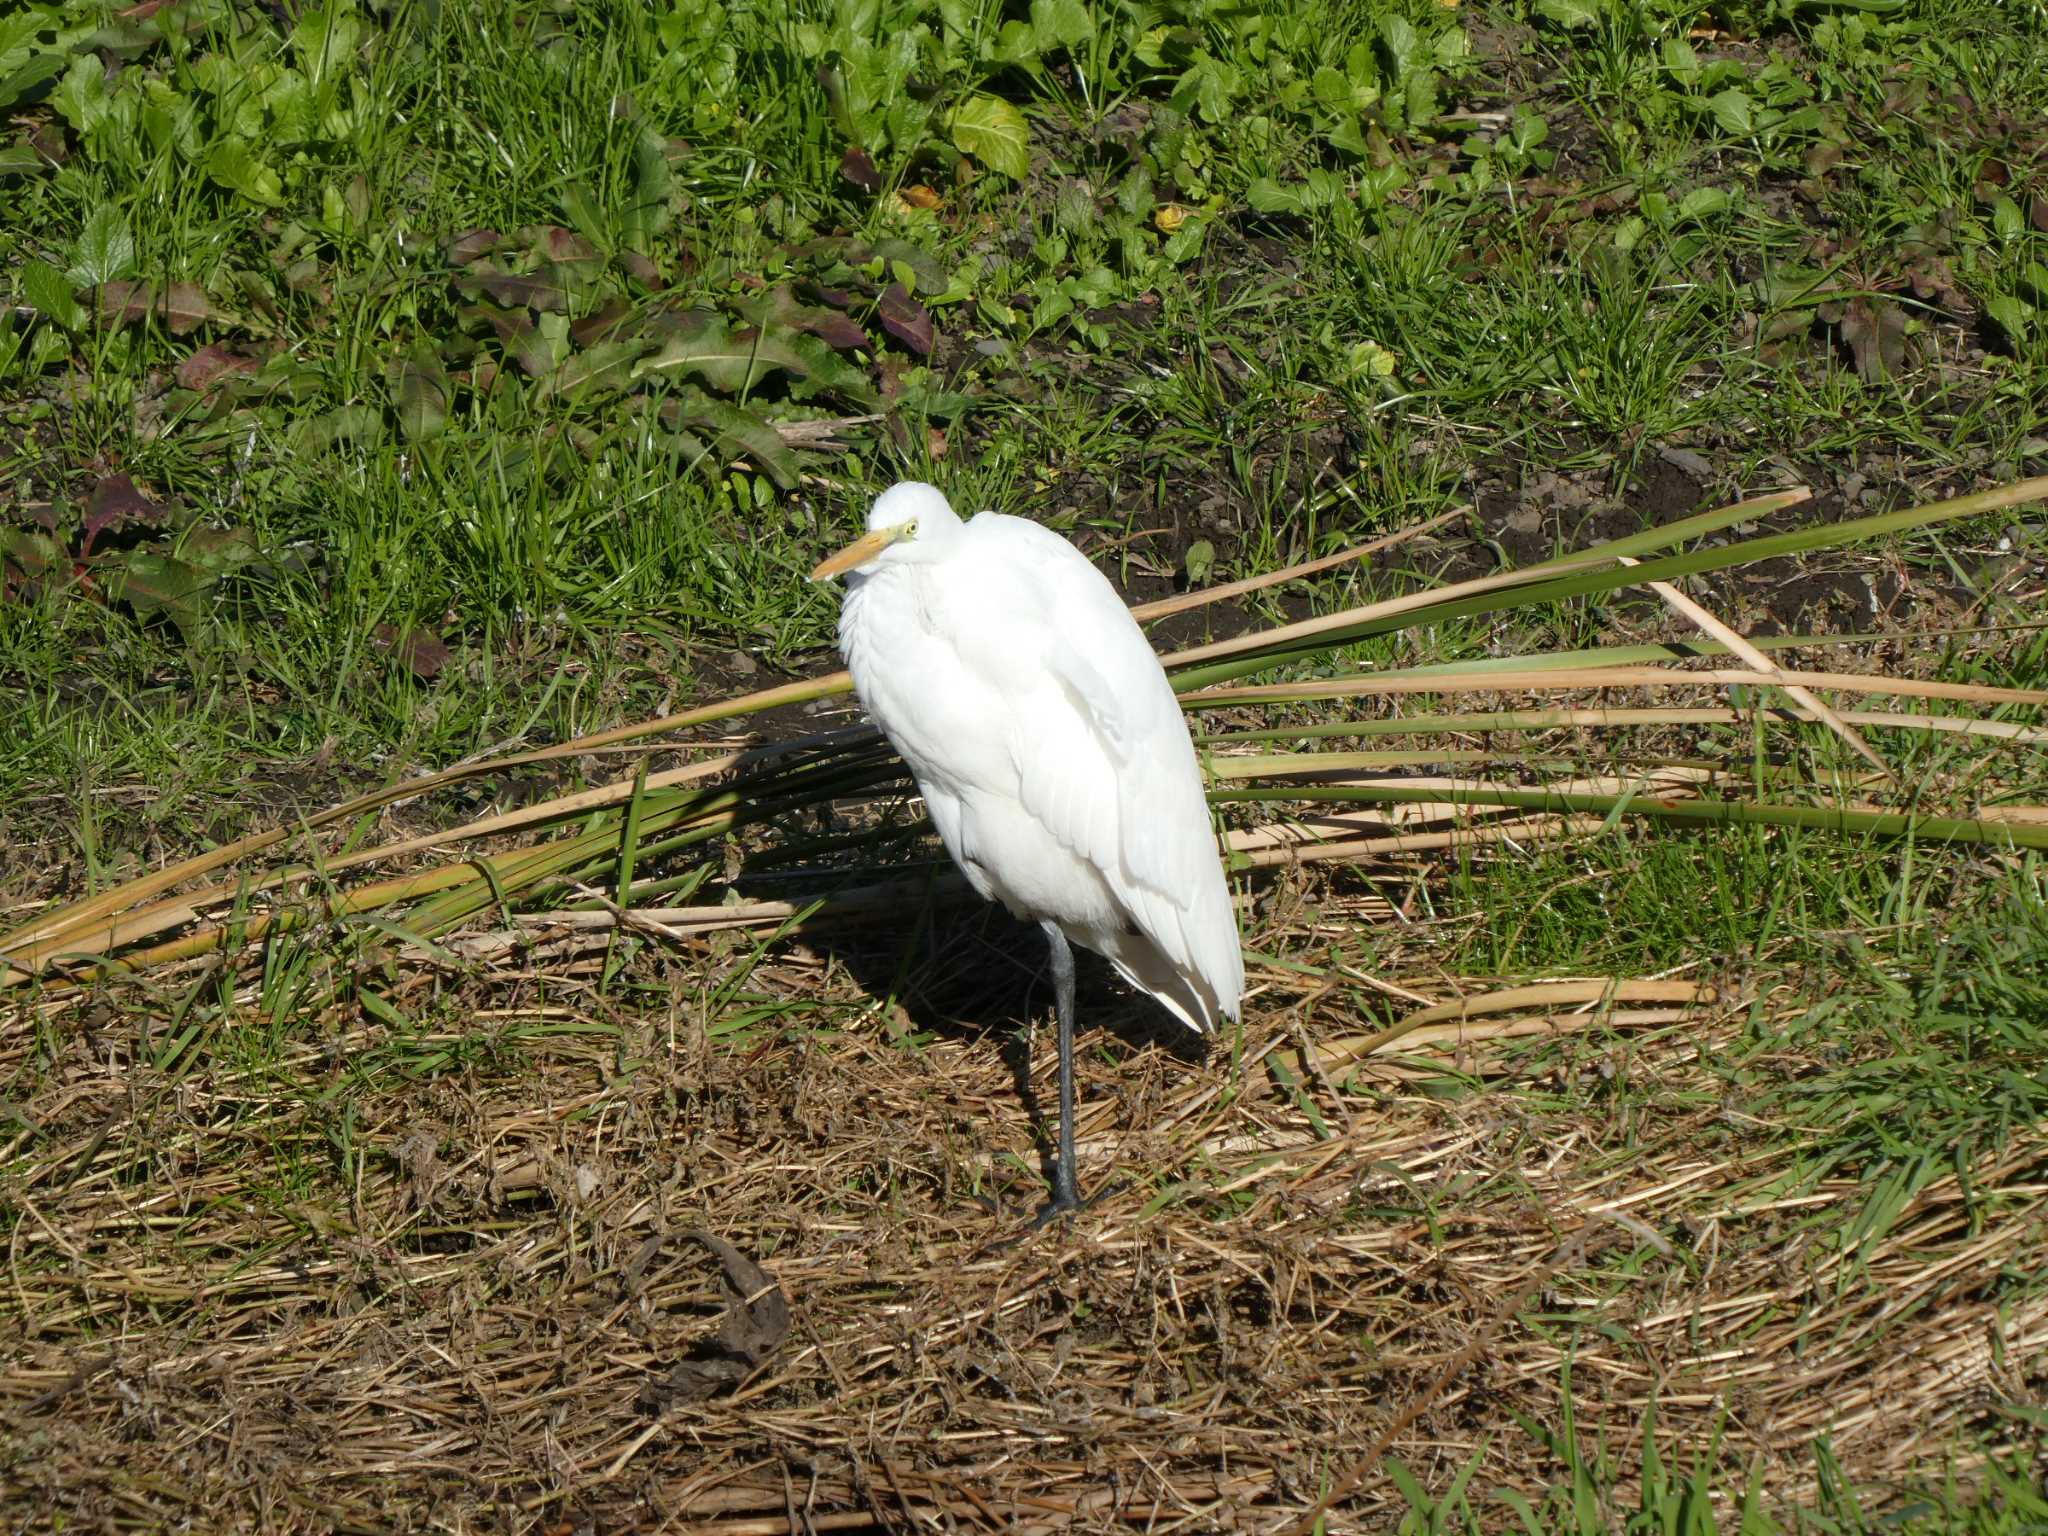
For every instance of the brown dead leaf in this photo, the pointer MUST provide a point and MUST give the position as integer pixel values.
(421, 652)
(642, 270)
(212, 362)
(464, 249)
(857, 168)
(755, 1323)
(47, 139)
(115, 504)
(906, 319)
(561, 244)
(921, 196)
(1933, 279)
(1875, 330)
(182, 307)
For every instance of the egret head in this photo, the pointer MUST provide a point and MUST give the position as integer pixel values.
(909, 522)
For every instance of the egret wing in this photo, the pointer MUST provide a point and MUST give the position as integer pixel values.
(1101, 749)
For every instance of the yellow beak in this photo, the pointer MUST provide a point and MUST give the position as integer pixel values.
(859, 552)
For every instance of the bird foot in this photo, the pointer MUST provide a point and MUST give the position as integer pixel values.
(1065, 1202)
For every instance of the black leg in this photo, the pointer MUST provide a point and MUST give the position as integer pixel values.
(1065, 1198)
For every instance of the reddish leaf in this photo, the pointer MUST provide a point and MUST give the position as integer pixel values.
(838, 298)
(780, 306)
(422, 653)
(641, 269)
(516, 292)
(596, 327)
(1876, 333)
(47, 139)
(26, 554)
(124, 301)
(508, 323)
(212, 362)
(1934, 279)
(566, 245)
(906, 319)
(478, 243)
(856, 167)
(184, 307)
(115, 504)
(833, 328)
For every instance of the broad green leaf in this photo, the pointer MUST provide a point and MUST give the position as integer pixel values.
(423, 394)
(1208, 87)
(20, 160)
(599, 370)
(745, 435)
(1016, 44)
(218, 550)
(927, 274)
(359, 424)
(649, 214)
(1269, 196)
(826, 370)
(325, 40)
(1060, 24)
(82, 94)
(50, 291)
(30, 551)
(1340, 94)
(2010, 313)
(727, 363)
(1703, 203)
(582, 211)
(21, 35)
(105, 248)
(234, 165)
(2006, 220)
(1734, 111)
(153, 583)
(995, 133)
(17, 82)
(171, 122)
(1570, 13)
(1417, 97)
(1404, 44)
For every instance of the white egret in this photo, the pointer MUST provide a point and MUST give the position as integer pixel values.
(1051, 752)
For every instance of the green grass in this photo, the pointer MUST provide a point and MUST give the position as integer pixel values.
(1216, 286)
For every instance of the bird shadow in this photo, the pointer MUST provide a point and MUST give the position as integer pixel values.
(967, 970)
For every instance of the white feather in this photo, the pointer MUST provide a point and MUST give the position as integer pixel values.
(1053, 757)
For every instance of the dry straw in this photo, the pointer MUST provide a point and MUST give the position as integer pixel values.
(351, 1180)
